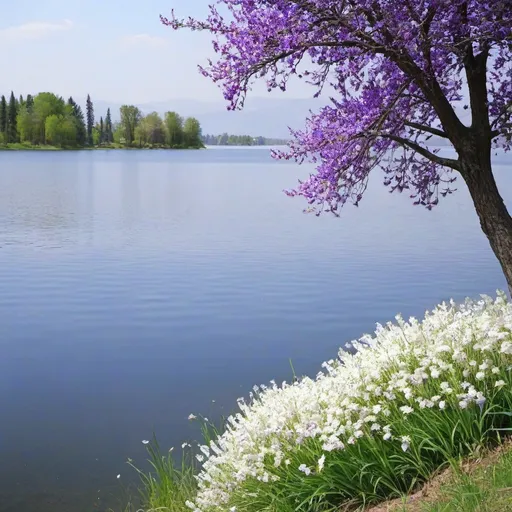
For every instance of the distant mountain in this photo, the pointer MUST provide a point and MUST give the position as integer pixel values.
(268, 117)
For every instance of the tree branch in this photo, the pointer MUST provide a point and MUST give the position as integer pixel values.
(446, 162)
(425, 128)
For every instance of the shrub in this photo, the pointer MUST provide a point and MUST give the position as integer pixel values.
(374, 423)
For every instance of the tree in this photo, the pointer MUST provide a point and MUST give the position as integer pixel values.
(45, 104)
(90, 119)
(155, 129)
(29, 102)
(79, 120)
(3, 116)
(109, 135)
(26, 124)
(130, 118)
(400, 71)
(101, 132)
(174, 129)
(60, 130)
(12, 114)
(192, 133)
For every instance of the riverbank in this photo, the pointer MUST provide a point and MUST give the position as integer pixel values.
(19, 146)
(404, 404)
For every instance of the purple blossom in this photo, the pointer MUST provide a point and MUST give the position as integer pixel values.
(398, 68)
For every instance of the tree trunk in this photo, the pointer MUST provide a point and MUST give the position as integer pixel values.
(494, 218)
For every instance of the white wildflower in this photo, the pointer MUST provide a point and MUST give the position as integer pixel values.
(321, 463)
(499, 384)
(406, 442)
(304, 469)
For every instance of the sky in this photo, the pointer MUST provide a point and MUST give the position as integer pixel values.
(114, 50)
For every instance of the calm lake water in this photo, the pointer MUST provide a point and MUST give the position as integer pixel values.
(138, 287)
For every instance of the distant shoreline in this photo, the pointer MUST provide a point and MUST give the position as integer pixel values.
(20, 147)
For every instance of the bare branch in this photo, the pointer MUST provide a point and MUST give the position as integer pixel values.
(446, 162)
(427, 129)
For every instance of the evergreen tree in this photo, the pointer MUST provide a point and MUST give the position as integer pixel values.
(78, 115)
(109, 135)
(12, 113)
(21, 100)
(3, 115)
(90, 120)
(30, 102)
(102, 131)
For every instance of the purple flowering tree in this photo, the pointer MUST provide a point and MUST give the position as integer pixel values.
(403, 71)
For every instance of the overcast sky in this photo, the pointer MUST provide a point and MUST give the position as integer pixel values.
(116, 50)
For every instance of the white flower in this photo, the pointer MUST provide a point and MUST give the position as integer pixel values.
(406, 409)
(480, 376)
(499, 384)
(145, 441)
(192, 417)
(118, 477)
(185, 445)
(304, 469)
(321, 462)
(506, 347)
(406, 442)
(442, 404)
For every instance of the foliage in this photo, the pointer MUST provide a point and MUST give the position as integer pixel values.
(12, 113)
(89, 112)
(375, 423)
(174, 129)
(167, 487)
(402, 75)
(192, 133)
(26, 123)
(487, 488)
(3, 115)
(47, 119)
(109, 135)
(60, 130)
(395, 67)
(130, 118)
(150, 130)
(79, 120)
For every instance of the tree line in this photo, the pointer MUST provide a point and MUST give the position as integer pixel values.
(241, 140)
(47, 119)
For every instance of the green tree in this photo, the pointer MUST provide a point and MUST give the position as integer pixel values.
(12, 113)
(155, 129)
(130, 118)
(141, 135)
(60, 130)
(3, 115)
(109, 135)
(173, 129)
(45, 105)
(29, 102)
(79, 120)
(192, 133)
(90, 120)
(102, 132)
(26, 124)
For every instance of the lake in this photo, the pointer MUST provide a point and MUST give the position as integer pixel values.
(138, 287)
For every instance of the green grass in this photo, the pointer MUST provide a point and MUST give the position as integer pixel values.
(486, 489)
